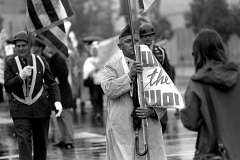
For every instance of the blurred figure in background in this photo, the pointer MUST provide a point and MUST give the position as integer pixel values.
(65, 122)
(146, 33)
(216, 85)
(38, 47)
(92, 75)
(77, 59)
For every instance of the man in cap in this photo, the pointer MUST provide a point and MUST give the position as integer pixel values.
(118, 76)
(30, 104)
(147, 33)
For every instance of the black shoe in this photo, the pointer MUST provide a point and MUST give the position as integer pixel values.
(59, 144)
(69, 146)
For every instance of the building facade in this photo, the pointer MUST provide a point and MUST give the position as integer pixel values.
(13, 13)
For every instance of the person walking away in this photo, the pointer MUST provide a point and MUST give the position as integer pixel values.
(38, 49)
(30, 113)
(222, 79)
(146, 33)
(65, 122)
(77, 59)
(118, 76)
(86, 86)
(92, 75)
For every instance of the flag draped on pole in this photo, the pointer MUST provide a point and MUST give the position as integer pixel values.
(149, 4)
(46, 19)
(159, 90)
(57, 38)
(45, 14)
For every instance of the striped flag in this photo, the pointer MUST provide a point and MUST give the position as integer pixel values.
(56, 37)
(149, 4)
(46, 19)
(45, 14)
(159, 90)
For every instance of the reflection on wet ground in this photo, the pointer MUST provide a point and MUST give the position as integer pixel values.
(90, 139)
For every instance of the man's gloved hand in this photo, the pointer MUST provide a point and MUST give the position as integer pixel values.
(26, 72)
(59, 108)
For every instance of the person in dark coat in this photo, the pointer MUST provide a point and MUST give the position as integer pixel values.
(146, 33)
(30, 110)
(59, 69)
(223, 81)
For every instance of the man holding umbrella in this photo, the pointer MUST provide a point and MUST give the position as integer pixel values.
(117, 84)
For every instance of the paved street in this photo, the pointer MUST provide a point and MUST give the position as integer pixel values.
(90, 139)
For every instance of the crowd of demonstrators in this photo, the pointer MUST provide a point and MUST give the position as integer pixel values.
(212, 105)
(59, 68)
(92, 75)
(38, 87)
(118, 76)
(29, 100)
(146, 33)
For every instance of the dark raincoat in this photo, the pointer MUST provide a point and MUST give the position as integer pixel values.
(224, 86)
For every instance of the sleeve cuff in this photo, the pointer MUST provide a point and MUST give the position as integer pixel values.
(129, 78)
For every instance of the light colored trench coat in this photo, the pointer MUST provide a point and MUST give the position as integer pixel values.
(119, 129)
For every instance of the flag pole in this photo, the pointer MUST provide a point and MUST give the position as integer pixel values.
(28, 63)
(136, 51)
(131, 23)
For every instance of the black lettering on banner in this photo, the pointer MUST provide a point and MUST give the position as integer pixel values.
(161, 78)
(168, 99)
(156, 98)
(176, 97)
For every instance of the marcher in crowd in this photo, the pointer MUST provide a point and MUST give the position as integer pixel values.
(77, 59)
(146, 33)
(86, 86)
(30, 113)
(93, 75)
(38, 47)
(65, 122)
(117, 85)
(222, 80)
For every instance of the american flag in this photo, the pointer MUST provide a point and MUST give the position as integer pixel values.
(46, 19)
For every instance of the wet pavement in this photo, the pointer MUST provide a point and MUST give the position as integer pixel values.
(90, 139)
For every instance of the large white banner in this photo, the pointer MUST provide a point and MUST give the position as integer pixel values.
(159, 90)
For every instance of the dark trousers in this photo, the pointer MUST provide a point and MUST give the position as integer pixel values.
(32, 129)
(164, 121)
(97, 100)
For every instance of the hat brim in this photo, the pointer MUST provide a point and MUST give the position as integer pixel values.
(148, 34)
(19, 39)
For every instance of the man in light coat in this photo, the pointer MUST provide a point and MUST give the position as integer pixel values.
(117, 85)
